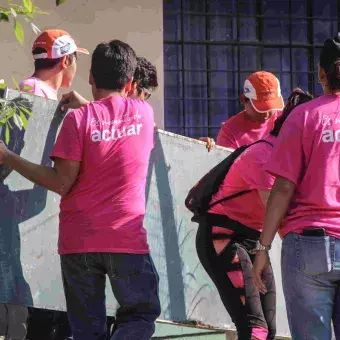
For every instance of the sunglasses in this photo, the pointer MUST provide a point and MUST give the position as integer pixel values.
(147, 93)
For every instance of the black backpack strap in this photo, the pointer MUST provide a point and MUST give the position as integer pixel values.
(261, 141)
(229, 198)
(241, 192)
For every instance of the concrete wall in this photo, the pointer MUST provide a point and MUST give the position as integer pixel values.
(29, 264)
(139, 23)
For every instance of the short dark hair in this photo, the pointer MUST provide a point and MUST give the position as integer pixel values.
(330, 62)
(145, 75)
(113, 65)
(47, 64)
(296, 98)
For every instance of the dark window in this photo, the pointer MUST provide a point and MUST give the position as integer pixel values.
(211, 46)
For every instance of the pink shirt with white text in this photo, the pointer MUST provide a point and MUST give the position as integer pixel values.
(104, 211)
(307, 153)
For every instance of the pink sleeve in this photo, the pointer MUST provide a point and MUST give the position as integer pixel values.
(287, 157)
(69, 144)
(225, 138)
(253, 172)
(28, 86)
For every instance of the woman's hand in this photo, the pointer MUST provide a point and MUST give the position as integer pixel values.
(260, 264)
(210, 142)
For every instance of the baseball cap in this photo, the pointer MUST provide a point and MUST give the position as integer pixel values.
(57, 43)
(264, 91)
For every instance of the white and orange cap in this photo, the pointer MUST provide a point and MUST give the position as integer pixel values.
(264, 91)
(57, 43)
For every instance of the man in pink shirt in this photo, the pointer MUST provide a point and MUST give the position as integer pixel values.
(101, 159)
(262, 102)
(55, 55)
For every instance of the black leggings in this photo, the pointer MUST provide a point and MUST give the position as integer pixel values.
(229, 265)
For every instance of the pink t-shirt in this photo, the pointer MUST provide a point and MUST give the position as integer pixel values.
(307, 153)
(104, 211)
(238, 130)
(38, 87)
(247, 173)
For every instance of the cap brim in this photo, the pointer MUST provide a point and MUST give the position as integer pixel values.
(268, 105)
(82, 50)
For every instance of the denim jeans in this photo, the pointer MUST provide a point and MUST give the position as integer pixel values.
(134, 281)
(311, 285)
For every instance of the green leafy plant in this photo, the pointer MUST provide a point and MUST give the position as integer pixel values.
(12, 12)
(13, 112)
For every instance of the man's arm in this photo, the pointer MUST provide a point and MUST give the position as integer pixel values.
(67, 155)
(59, 178)
(277, 207)
(72, 100)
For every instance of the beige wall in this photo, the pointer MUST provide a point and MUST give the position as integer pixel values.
(91, 22)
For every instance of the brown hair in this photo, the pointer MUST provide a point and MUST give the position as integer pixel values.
(296, 98)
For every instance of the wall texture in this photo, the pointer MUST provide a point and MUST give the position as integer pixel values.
(138, 23)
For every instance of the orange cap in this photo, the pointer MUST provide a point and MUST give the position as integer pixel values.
(264, 91)
(56, 43)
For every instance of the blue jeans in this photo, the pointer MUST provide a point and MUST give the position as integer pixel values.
(134, 281)
(311, 285)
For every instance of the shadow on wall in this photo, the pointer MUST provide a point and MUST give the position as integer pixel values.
(177, 310)
(15, 208)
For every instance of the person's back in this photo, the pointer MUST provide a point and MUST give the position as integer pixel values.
(105, 146)
(305, 162)
(314, 131)
(104, 210)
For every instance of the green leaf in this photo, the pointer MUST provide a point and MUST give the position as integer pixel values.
(25, 110)
(28, 5)
(24, 120)
(19, 32)
(10, 113)
(60, 2)
(17, 121)
(4, 17)
(27, 88)
(14, 12)
(9, 124)
(7, 134)
(3, 85)
(15, 83)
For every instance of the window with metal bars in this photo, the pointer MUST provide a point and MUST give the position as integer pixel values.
(211, 46)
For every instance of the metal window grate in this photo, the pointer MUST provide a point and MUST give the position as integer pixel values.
(210, 46)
